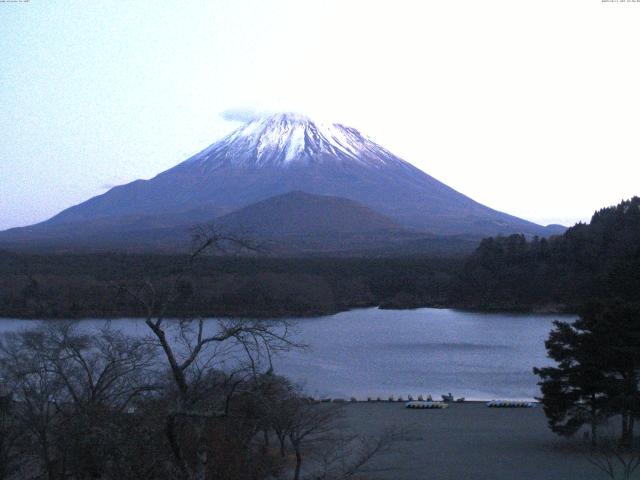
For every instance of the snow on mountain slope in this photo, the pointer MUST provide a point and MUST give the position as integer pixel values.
(285, 138)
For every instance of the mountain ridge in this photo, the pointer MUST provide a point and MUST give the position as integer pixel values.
(280, 154)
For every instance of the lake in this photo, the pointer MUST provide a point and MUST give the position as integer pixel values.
(372, 352)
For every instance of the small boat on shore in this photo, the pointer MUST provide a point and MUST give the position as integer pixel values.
(421, 404)
(448, 398)
(510, 404)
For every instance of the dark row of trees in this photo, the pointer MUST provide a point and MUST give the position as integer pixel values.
(77, 286)
(599, 260)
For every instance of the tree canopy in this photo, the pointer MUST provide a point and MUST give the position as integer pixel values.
(599, 260)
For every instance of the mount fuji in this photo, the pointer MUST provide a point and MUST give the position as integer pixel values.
(270, 157)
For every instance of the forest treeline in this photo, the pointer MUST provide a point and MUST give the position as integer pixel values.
(77, 286)
(589, 261)
(595, 261)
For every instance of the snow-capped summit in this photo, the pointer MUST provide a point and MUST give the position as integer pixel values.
(284, 139)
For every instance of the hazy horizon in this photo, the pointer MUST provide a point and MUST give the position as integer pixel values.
(530, 109)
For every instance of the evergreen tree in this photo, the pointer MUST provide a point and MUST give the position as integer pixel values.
(573, 392)
(598, 370)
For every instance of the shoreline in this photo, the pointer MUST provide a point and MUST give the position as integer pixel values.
(470, 401)
(539, 310)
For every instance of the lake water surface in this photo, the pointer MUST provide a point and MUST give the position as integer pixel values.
(371, 352)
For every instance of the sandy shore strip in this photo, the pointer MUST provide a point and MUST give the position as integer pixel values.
(471, 441)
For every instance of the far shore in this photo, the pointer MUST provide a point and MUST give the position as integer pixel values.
(283, 315)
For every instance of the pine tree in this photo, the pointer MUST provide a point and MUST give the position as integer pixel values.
(598, 370)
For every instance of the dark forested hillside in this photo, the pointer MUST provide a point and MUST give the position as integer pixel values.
(35, 286)
(589, 261)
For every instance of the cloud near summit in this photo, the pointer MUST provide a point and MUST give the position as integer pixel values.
(241, 114)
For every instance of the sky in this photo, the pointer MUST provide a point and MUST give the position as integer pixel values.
(529, 107)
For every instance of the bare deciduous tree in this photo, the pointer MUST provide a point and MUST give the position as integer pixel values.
(309, 423)
(11, 434)
(34, 386)
(191, 346)
(316, 430)
(70, 391)
(351, 456)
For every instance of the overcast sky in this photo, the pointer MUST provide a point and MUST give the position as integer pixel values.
(530, 107)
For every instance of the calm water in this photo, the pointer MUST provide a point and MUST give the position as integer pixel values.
(373, 352)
